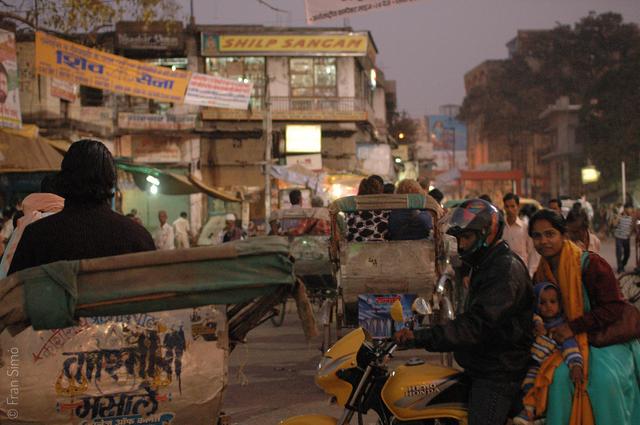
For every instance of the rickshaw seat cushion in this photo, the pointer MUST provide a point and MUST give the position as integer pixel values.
(51, 294)
(367, 225)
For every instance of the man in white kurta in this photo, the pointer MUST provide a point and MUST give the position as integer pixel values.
(182, 231)
(163, 236)
(516, 233)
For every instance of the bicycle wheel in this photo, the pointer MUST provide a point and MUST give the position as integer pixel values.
(630, 287)
(278, 318)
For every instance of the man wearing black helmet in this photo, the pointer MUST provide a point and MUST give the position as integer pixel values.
(492, 337)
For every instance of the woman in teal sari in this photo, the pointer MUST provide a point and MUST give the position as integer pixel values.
(592, 299)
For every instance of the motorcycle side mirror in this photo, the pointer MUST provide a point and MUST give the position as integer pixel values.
(421, 307)
(396, 312)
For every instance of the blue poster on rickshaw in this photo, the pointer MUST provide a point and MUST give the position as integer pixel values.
(374, 313)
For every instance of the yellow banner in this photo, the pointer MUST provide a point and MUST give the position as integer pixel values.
(351, 44)
(91, 67)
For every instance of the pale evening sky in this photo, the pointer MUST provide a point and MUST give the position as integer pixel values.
(427, 46)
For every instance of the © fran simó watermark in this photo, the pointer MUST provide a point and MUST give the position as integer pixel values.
(12, 373)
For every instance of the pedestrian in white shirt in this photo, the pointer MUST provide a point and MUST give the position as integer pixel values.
(182, 230)
(516, 233)
(163, 236)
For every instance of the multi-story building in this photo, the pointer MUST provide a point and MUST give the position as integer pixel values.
(326, 98)
(563, 156)
(481, 149)
(521, 153)
(317, 76)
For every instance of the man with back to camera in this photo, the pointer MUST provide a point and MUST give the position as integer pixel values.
(516, 233)
(182, 230)
(285, 225)
(491, 339)
(86, 227)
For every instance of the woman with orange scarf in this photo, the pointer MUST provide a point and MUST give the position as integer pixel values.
(35, 207)
(610, 393)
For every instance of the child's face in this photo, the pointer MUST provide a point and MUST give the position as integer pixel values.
(548, 306)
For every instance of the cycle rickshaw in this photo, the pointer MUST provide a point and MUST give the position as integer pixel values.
(134, 339)
(420, 267)
(307, 231)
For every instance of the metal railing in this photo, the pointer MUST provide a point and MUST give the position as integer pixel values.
(318, 104)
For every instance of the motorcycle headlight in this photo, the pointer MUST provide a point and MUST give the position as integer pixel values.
(324, 362)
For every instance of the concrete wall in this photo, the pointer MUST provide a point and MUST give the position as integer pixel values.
(346, 69)
(34, 90)
(380, 110)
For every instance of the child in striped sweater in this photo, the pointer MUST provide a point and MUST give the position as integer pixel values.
(549, 315)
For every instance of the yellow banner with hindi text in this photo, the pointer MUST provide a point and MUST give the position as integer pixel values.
(85, 66)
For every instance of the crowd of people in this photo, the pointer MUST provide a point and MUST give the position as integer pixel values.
(535, 336)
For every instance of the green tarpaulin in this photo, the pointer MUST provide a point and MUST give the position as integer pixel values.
(57, 294)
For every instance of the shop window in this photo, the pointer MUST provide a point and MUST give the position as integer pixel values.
(64, 108)
(90, 96)
(313, 77)
(248, 69)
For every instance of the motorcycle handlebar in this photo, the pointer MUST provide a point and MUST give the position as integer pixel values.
(387, 346)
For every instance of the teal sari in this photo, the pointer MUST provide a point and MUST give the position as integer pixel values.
(613, 385)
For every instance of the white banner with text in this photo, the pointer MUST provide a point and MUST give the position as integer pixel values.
(322, 10)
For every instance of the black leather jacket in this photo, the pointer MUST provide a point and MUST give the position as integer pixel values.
(493, 337)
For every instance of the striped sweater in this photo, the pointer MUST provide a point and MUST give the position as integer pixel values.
(544, 346)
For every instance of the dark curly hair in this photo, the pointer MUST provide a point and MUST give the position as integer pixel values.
(554, 218)
(578, 214)
(370, 186)
(88, 173)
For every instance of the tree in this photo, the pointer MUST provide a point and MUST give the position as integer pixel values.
(84, 16)
(594, 63)
(609, 122)
(403, 128)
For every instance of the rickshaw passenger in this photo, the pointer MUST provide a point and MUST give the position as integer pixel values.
(287, 224)
(409, 224)
(368, 225)
(313, 225)
(86, 227)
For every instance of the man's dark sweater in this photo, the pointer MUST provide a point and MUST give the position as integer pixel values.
(79, 231)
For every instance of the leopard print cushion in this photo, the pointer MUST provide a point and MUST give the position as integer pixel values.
(368, 226)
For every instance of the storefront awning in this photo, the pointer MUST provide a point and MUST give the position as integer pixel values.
(20, 153)
(172, 183)
(216, 193)
(61, 146)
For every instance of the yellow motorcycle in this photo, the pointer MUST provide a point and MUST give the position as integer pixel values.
(354, 371)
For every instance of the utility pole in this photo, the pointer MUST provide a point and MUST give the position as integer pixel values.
(624, 184)
(453, 129)
(267, 130)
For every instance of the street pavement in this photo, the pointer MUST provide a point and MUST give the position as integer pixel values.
(608, 252)
(271, 377)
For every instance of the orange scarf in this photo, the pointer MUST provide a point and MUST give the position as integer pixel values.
(33, 207)
(570, 283)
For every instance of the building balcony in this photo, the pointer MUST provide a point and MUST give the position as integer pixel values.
(298, 109)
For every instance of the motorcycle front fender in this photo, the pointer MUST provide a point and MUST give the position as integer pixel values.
(310, 420)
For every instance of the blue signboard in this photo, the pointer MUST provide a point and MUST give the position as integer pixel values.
(444, 130)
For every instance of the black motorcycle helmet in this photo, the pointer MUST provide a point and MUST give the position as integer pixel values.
(480, 217)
